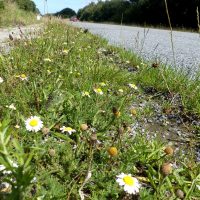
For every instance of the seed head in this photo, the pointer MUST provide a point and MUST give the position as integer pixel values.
(166, 169)
(169, 150)
(52, 152)
(45, 130)
(83, 127)
(180, 194)
(133, 111)
(113, 151)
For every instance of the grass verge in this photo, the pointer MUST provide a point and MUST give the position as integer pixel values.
(13, 16)
(79, 88)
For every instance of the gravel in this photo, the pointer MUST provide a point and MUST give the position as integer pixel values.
(152, 44)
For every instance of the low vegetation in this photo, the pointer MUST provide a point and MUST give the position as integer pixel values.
(14, 14)
(66, 114)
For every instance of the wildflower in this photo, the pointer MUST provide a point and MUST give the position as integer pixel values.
(23, 77)
(47, 60)
(121, 90)
(133, 86)
(198, 187)
(102, 84)
(133, 111)
(17, 126)
(5, 187)
(48, 71)
(33, 124)
(131, 184)
(116, 112)
(2, 167)
(98, 91)
(1, 80)
(39, 17)
(67, 129)
(65, 51)
(85, 94)
(11, 106)
(113, 151)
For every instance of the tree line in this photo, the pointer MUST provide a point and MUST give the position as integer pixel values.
(183, 13)
(27, 5)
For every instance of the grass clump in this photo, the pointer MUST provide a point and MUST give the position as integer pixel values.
(78, 139)
(11, 15)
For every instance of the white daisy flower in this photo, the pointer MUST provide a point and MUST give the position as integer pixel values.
(67, 129)
(198, 187)
(33, 124)
(98, 91)
(133, 86)
(130, 184)
(102, 84)
(121, 90)
(17, 126)
(1, 80)
(65, 51)
(23, 77)
(47, 60)
(85, 94)
(2, 167)
(38, 17)
(11, 106)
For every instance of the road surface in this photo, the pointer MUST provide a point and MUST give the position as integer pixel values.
(152, 44)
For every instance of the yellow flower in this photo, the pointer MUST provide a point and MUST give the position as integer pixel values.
(85, 94)
(102, 84)
(47, 60)
(23, 77)
(133, 86)
(98, 91)
(121, 90)
(65, 51)
(113, 151)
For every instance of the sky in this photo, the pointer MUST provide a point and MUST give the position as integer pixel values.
(58, 5)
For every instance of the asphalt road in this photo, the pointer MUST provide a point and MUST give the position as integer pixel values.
(152, 44)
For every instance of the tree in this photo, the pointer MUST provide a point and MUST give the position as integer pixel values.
(66, 13)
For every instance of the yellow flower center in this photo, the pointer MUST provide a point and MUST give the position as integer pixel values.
(68, 129)
(128, 180)
(99, 90)
(23, 76)
(33, 122)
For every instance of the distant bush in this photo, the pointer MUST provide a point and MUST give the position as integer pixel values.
(2, 6)
(66, 13)
(27, 5)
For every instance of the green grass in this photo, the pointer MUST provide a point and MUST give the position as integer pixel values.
(59, 65)
(13, 16)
